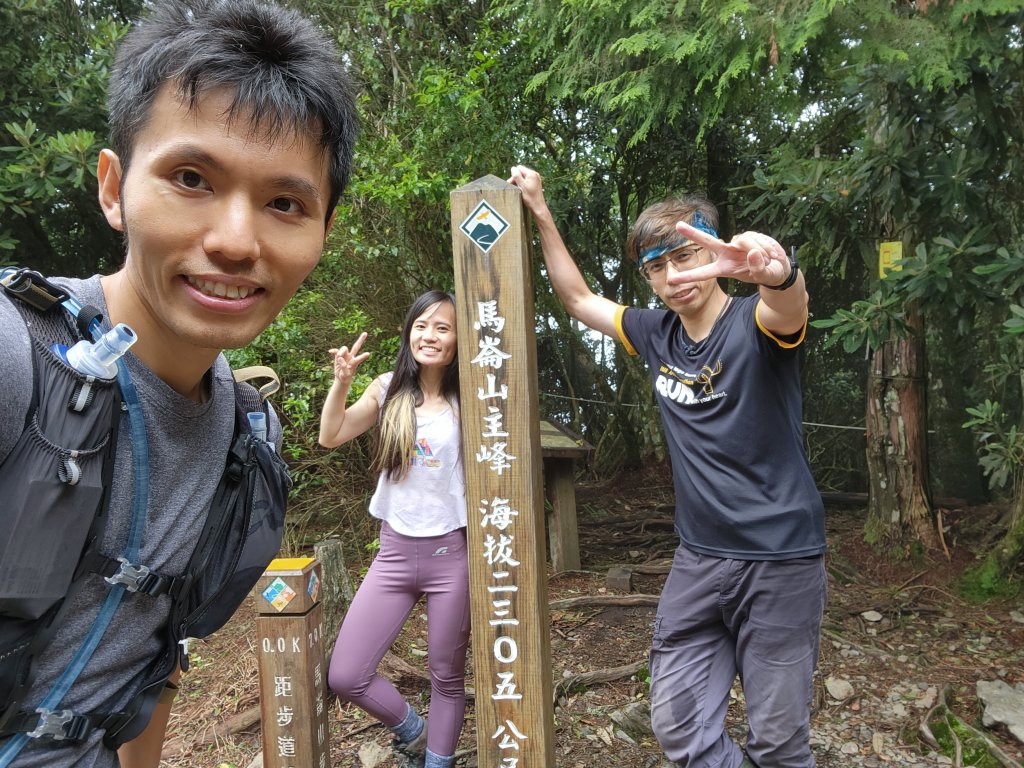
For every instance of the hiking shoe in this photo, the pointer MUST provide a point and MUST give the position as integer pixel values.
(411, 754)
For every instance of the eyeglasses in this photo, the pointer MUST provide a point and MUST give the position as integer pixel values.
(681, 259)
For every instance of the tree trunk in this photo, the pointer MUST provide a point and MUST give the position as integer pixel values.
(721, 164)
(899, 504)
(336, 590)
(1009, 550)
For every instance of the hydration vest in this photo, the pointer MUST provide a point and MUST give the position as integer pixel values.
(55, 485)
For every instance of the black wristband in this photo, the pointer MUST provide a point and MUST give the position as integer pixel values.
(793, 268)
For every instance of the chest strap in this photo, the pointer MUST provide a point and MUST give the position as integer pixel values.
(138, 578)
(59, 725)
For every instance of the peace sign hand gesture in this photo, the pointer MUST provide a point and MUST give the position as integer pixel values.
(347, 360)
(749, 257)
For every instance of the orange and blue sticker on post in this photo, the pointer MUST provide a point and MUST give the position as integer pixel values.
(279, 594)
(314, 586)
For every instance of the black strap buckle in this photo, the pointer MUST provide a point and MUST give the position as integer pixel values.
(134, 578)
(60, 725)
(34, 289)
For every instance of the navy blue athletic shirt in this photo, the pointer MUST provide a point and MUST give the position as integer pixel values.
(732, 407)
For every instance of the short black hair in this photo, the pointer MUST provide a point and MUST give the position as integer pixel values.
(285, 73)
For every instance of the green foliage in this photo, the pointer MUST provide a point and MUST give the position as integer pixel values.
(942, 270)
(988, 581)
(1001, 446)
(46, 159)
(935, 276)
(40, 163)
(434, 117)
(55, 57)
(644, 678)
(1015, 325)
(371, 547)
(999, 433)
(868, 322)
(653, 62)
(958, 740)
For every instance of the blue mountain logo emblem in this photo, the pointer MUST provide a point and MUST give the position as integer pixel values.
(484, 226)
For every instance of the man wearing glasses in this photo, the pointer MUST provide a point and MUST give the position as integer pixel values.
(747, 587)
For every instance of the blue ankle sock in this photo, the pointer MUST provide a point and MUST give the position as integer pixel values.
(436, 761)
(410, 728)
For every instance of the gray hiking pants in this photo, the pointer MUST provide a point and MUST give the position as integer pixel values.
(718, 618)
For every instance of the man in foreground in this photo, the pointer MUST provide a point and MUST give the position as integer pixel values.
(232, 126)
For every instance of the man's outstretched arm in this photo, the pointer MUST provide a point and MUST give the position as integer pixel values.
(580, 302)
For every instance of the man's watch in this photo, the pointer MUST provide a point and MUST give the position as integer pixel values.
(793, 267)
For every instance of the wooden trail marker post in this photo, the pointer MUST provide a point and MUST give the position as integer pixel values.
(290, 638)
(504, 488)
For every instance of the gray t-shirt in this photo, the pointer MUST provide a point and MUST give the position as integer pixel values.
(188, 443)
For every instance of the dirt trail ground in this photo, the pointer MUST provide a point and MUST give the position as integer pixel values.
(896, 638)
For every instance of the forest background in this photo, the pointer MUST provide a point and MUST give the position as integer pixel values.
(834, 125)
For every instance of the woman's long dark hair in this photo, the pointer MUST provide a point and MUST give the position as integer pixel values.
(397, 434)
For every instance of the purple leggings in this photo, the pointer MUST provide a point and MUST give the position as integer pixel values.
(405, 568)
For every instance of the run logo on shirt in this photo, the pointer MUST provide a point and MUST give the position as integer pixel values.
(688, 388)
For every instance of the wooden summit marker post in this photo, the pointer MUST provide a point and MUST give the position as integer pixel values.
(504, 487)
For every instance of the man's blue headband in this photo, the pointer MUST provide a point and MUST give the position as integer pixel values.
(663, 247)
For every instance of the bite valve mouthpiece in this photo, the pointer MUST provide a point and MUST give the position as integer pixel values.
(99, 358)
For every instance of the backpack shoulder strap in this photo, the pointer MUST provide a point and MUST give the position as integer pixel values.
(48, 312)
(232, 550)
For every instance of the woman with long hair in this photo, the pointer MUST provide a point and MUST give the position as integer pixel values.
(421, 502)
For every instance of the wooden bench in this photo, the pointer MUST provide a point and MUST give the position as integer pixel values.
(559, 449)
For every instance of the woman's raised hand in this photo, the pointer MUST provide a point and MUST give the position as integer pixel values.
(346, 360)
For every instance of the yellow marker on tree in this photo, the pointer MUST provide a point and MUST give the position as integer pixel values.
(888, 254)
